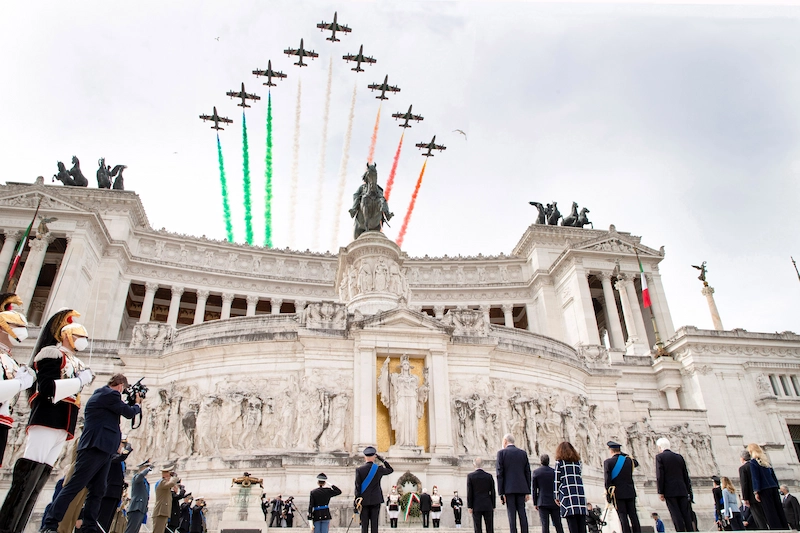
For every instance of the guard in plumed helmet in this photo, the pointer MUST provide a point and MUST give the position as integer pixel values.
(15, 378)
(55, 403)
(318, 504)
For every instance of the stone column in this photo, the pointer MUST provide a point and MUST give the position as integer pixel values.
(30, 273)
(663, 306)
(252, 302)
(708, 292)
(592, 335)
(530, 312)
(672, 397)
(200, 308)
(630, 323)
(551, 317)
(276, 305)
(7, 253)
(365, 391)
(175, 306)
(438, 311)
(655, 308)
(150, 289)
(636, 310)
(439, 403)
(485, 310)
(299, 309)
(227, 300)
(508, 315)
(612, 315)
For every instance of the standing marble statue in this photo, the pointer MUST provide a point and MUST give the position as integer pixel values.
(405, 398)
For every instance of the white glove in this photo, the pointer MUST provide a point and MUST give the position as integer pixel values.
(86, 377)
(25, 376)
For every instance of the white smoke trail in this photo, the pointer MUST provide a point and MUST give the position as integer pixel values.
(337, 214)
(321, 178)
(295, 167)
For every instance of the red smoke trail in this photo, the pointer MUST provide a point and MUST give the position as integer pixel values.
(390, 182)
(374, 139)
(402, 234)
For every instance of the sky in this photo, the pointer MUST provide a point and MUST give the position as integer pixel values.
(676, 122)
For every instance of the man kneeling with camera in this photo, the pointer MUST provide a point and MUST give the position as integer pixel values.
(98, 443)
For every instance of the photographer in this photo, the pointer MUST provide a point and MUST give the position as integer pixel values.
(100, 440)
(114, 484)
(163, 507)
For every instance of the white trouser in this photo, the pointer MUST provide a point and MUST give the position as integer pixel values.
(44, 444)
(436, 515)
(394, 514)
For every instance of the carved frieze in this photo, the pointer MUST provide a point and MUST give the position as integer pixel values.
(326, 315)
(467, 322)
(152, 336)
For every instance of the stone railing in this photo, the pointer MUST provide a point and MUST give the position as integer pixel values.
(239, 329)
(534, 343)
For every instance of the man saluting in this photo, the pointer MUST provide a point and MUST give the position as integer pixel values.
(369, 496)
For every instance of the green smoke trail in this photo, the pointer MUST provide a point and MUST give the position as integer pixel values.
(226, 207)
(268, 178)
(248, 215)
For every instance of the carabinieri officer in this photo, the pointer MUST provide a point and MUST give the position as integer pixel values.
(318, 510)
(368, 488)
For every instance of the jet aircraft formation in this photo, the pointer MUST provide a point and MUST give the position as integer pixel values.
(302, 52)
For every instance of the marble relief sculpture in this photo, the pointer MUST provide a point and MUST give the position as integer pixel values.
(405, 398)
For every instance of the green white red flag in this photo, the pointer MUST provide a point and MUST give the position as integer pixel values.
(645, 290)
(22, 242)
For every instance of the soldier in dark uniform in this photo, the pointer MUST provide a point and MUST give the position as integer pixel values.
(54, 413)
(318, 509)
(369, 496)
(620, 490)
(716, 492)
(457, 503)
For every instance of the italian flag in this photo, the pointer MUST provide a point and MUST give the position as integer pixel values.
(645, 290)
(22, 242)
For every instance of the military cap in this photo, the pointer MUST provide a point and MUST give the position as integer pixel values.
(614, 445)
(715, 479)
(169, 467)
(369, 451)
(322, 477)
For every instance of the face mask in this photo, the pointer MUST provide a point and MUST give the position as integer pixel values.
(21, 334)
(81, 343)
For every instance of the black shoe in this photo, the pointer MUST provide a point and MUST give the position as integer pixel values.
(48, 531)
(16, 509)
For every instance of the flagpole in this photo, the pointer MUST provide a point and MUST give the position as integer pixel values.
(20, 248)
(795, 267)
(660, 351)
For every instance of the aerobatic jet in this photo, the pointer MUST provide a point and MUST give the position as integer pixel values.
(333, 27)
(431, 146)
(407, 116)
(245, 96)
(383, 87)
(217, 119)
(301, 53)
(269, 73)
(359, 58)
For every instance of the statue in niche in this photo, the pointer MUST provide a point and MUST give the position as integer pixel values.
(381, 276)
(364, 278)
(189, 422)
(405, 398)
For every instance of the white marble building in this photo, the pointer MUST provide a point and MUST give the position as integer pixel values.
(269, 360)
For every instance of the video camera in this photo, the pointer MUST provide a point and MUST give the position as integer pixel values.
(132, 390)
(130, 398)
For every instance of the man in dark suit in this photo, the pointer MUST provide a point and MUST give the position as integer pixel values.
(620, 490)
(368, 488)
(514, 483)
(425, 504)
(674, 485)
(99, 442)
(543, 491)
(748, 497)
(791, 508)
(481, 497)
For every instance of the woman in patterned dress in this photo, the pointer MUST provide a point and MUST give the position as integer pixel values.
(569, 493)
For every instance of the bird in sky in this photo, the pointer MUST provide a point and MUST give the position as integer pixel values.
(462, 133)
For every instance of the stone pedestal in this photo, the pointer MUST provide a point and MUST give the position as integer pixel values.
(243, 513)
(370, 278)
